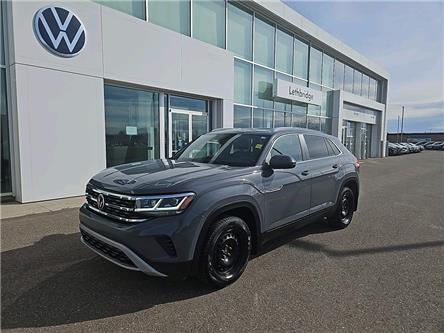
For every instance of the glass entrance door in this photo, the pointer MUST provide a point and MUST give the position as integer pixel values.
(184, 127)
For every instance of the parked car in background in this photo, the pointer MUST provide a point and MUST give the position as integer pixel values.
(402, 149)
(429, 144)
(438, 145)
(393, 149)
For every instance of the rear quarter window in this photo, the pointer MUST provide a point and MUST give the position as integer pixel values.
(332, 148)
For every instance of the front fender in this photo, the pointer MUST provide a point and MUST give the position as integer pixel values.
(215, 202)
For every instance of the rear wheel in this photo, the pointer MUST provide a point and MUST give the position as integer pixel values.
(226, 252)
(345, 208)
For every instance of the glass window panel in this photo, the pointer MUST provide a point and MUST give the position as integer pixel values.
(300, 82)
(348, 79)
(315, 86)
(2, 44)
(279, 119)
(242, 82)
(6, 183)
(299, 107)
(262, 118)
(357, 82)
(326, 125)
(372, 89)
(282, 103)
(174, 15)
(314, 110)
(263, 87)
(287, 119)
(365, 85)
(287, 145)
(199, 125)
(258, 118)
(268, 118)
(325, 106)
(132, 125)
(263, 43)
(315, 65)
(132, 7)
(327, 71)
(316, 145)
(242, 116)
(339, 75)
(186, 103)
(300, 59)
(314, 123)
(209, 21)
(240, 32)
(284, 52)
(299, 120)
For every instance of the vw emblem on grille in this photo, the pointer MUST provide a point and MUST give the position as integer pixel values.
(100, 201)
(60, 31)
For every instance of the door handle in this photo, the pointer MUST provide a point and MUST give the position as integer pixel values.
(335, 166)
(305, 173)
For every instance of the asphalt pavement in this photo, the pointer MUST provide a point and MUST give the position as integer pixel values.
(385, 273)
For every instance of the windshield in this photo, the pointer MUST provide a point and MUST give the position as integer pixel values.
(225, 148)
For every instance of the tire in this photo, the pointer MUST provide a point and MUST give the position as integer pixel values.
(344, 211)
(226, 252)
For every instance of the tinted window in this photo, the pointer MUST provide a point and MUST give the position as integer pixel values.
(240, 32)
(332, 149)
(131, 125)
(174, 15)
(287, 145)
(316, 146)
(225, 148)
(209, 21)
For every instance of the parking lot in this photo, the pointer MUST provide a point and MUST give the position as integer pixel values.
(383, 273)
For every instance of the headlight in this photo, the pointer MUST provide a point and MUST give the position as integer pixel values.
(164, 204)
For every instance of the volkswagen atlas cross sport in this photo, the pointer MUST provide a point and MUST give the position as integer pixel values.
(218, 201)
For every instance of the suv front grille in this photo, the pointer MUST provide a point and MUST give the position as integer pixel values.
(116, 206)
(106, 249)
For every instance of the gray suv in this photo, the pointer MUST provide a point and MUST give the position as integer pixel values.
(218, 201)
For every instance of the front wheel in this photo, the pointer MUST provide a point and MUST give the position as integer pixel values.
(345, 208)
(226, 252)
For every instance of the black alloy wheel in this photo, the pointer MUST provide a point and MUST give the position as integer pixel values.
(345, 208)
(226, 252)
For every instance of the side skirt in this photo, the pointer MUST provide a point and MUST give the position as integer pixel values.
(274, 238)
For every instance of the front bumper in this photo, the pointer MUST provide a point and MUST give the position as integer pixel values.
(115, 252)
(157, 247)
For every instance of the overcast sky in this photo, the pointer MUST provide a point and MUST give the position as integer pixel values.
(405, 38)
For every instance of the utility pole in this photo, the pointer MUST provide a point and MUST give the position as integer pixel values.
(402, 123)
(397, 132)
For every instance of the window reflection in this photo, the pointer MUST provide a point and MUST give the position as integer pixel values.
(132, 125)
(6, 184)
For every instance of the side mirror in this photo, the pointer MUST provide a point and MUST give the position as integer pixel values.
(282, 162)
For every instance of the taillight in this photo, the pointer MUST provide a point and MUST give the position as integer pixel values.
(357, 164)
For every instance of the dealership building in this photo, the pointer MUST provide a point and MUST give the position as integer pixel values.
(91, 84)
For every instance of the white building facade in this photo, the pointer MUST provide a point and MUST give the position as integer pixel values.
(85, 86)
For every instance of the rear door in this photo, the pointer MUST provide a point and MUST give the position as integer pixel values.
(286, 193)
(321, 168)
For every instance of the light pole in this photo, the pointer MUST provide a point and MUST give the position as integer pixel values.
(402, 122)
(397, 132)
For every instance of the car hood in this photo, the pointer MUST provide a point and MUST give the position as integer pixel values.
(163, 176)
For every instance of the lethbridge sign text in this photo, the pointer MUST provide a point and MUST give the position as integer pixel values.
(289, 90)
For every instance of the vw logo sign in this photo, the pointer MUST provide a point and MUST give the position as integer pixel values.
(60, 31)
(100, 201)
